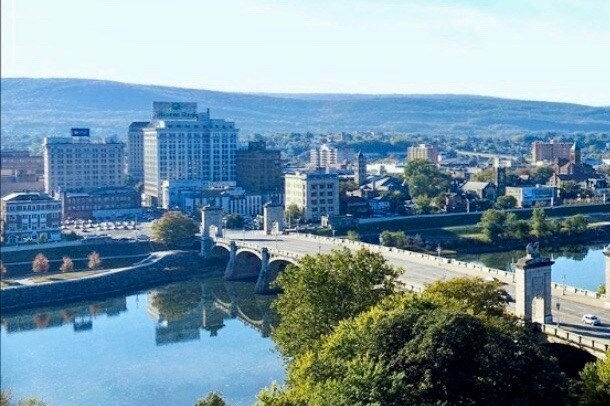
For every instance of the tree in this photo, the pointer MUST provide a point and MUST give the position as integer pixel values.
(67, 265)
(292, 212)
(484, 176)
(596, 382)
(540, 175)
(471, 295)
(577, 224)
(425, 179)
(174, 229)
(324, 289)
(93, 260)
(423, 204)
(40, 263)
(515, 228)
(234, 221)
(411, 351)
(506, 202)
(492, 224)
(540, 227)
(212, 399)
(353, 235)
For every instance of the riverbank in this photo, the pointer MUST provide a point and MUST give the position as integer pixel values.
(158, 267)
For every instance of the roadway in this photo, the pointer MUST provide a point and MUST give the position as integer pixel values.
(419, 272)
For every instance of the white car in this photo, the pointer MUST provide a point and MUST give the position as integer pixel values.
(591, 319)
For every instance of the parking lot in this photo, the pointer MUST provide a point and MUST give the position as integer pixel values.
(116, 229)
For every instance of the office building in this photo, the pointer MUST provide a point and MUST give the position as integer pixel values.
(135, 151)
(551, 151)
(533, 196)
(107, 202)
(181, 144)
(77, 163)
(314, 193)
(21, 172)
(423, 151)
(259, 169)
(30, 216)
(325, 156)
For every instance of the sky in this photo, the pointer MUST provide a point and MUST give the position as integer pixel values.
(553, 50)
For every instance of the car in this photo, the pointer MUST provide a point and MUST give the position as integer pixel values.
(591, 320)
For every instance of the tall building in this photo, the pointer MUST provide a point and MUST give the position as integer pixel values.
(77, 163)
(314, 193)
(259, 169)
(550, 151)
(135, 150)
(423, 151)
(20, 172)
(360, 169)
(181, 144)
(324, 156)
(30, 216)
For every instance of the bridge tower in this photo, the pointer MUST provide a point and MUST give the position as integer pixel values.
(607, 255)
(273, 215)
(533, 279)
(211, 226)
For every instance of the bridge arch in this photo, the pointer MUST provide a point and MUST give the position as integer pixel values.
(220, 252)
(570, 358)
(247, 264)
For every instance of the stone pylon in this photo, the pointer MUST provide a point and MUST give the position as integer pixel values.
(533, 280)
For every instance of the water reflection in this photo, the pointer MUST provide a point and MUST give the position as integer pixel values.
(79, 315)
(180, 310)
(183, 309)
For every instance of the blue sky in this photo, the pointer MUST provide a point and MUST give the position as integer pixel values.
(556, 50)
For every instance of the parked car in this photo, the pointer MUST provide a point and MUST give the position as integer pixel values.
(591, 320)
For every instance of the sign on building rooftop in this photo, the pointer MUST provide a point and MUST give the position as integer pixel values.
(174, 111)
(80, 132)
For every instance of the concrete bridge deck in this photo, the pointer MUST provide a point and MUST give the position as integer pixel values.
(422, 269)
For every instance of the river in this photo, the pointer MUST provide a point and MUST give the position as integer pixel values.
(581, 266)
(164, 346)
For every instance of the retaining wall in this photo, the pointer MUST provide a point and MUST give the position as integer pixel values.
(160, 267)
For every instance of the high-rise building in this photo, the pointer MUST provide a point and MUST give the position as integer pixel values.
(314, 193)
(259, 169)
(324, 156)
(360, 169)
(423, 151)
(550, 151)
(30, 216)
(181, 144)
(77, 163)
(135, 150)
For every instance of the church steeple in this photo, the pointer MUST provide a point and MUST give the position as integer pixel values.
(360, 169)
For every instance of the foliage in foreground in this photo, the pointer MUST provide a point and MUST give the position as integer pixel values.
(212, 399)
(325, 289)
(413, 350)
(596, 382)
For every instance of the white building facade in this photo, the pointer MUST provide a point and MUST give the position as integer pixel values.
(30, 216)
(181, 144)
(314, 193)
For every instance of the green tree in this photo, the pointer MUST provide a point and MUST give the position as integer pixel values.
(174, 229)
(577, 224)
(515, 228)
(41, 263)
(292, 213)
(471, 295)
(596, 382)
(492, 224)
(212, 399)
(540, 226)
(353, 235)
(412, 351)
(484, 176)
(423, 204)
(324, 289)
(506, 202)
(425, 179)
(67, 265)
(541, 175)
(234, 221)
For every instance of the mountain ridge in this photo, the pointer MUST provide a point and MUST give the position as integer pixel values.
(34, 107)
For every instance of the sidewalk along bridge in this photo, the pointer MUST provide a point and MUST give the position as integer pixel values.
(262, 255)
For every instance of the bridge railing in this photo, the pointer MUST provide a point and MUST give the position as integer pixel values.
(441, 260)
(584, 341)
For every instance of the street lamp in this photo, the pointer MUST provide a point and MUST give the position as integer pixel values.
(439, 250)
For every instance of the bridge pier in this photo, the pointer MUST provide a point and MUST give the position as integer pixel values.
(211, 226)
(262, 282)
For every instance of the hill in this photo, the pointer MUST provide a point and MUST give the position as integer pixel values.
(32, 108)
